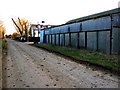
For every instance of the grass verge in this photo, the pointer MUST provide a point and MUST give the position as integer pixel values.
(4, 44)
(109, 62)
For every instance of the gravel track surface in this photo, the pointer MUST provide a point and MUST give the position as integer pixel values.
(29, 67)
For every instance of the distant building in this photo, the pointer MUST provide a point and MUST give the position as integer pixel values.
(35, 29)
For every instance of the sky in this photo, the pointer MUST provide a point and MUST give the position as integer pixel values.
(53, 12)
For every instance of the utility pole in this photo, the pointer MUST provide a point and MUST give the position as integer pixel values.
(39, 28)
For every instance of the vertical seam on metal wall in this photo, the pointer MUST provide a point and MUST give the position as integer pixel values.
(55, 39)
(78, 41)
(69, 36)
(51, 39)
(64, 39)
(111, 35)
(85, 39)
(97, 40)
(59, 39)
(48, 39)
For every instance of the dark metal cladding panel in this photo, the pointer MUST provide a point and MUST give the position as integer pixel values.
(46, 31)
(46, 38)
(74, 39)
(97, 24)
(61, 39)
(57, 30)
(67, 40)
(104, 41)
(116, 40)
(53, 39)
(52, 31)
(75, 27)
(64, 29)
(49, 31)
(82, 39)
(57, 39)
(50, 39)
(92, 40)
(116, 19)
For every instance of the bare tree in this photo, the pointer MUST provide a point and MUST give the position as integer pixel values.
(2, 30)
(21, 25)
(20, 31)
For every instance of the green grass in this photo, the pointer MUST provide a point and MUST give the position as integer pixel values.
(107, 61)
(2, 43)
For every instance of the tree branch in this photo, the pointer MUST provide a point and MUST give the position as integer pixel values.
(17, 26)
(20, 24)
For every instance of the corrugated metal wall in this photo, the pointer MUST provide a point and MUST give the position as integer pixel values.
(100, 34)
(97, 24)
(82, 39)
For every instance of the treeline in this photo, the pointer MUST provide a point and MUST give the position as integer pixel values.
(2, 30)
